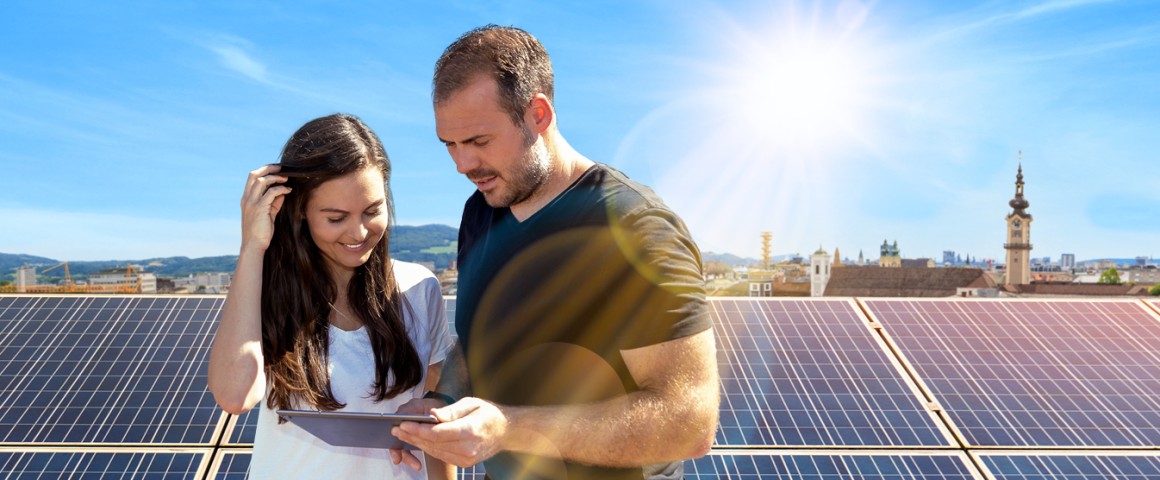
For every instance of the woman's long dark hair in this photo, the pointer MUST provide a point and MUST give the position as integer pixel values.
(297, 289)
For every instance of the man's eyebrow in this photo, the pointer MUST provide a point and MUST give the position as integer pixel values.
(466, 140)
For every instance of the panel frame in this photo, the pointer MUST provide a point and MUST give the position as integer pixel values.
(203, 464)
(978, 455)
(968, 465)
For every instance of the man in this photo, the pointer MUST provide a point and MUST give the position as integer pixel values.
(585, 348)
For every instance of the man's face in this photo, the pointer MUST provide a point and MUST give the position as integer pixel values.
(505, 161)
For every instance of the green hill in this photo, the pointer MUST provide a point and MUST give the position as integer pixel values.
(427, 243)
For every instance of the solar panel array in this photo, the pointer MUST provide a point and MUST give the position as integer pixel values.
(1035, 373)
(113, 387)
(812, 373)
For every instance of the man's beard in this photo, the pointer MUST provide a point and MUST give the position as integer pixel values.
(533, 170)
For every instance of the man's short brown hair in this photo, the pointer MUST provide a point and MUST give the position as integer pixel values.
(517, 62)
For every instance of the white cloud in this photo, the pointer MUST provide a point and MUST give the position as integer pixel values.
(236, 59)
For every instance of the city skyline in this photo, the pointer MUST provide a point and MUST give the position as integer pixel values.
(128, 130)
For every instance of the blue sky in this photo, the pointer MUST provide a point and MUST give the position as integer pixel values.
(127, 128)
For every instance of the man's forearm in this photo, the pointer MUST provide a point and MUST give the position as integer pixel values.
(672, 417)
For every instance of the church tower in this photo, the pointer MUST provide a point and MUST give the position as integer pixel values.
(1018, 244)
(820, 263)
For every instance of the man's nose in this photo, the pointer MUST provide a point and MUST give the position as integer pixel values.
(465, 160)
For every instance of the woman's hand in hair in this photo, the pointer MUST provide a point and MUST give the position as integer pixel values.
(261, 202)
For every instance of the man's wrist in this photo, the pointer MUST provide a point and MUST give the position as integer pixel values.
(448, 399)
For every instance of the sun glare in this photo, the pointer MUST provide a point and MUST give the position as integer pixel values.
(784, 105)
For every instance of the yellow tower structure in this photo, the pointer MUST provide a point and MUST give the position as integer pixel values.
(766, 239)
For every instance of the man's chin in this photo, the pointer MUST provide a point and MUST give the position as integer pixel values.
(495, 200)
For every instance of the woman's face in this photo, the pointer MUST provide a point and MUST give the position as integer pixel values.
(347, 217)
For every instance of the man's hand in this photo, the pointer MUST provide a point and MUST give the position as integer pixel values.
(470, 431)
(415, 406)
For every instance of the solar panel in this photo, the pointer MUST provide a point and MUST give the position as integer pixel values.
(96, 463)
(812, 373)
(1071, 466)
(241, 428)
(1043, 373)
(104, 369)
(827, 466)
(231, 464)
(1155, 304)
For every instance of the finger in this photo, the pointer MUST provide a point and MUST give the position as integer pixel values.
(266, 169)
(412, 461)
(276, 205)
(454, 411)
(260, 185)
(260, 172)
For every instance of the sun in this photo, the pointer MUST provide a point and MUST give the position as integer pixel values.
(806, 95)
(800, 93)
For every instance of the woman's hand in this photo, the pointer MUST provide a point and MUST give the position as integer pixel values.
(261, 202)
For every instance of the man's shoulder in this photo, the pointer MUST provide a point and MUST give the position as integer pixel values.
(627, 197)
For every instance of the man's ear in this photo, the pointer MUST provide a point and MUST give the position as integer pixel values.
(540, 113)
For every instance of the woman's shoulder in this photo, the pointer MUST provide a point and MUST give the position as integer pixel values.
(408, 274)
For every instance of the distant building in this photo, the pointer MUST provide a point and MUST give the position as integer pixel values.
(25, 276)
(909, 282)
(1149, 276)
(120, 278)
(1143, 261)
(917, 262)
(889, 256)
(819, 272)
(1074, 290)
(209, 282)
(949, 258)
(1067, 261)
(1018, 244)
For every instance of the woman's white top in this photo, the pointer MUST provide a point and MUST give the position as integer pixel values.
(284, 451)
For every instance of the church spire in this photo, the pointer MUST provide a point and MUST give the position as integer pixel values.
(1019, 204)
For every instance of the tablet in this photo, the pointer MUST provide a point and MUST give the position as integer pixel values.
(354, 429)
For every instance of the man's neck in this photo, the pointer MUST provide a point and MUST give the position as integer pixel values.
(568, 166)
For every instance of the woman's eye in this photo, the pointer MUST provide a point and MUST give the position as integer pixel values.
(336, 220)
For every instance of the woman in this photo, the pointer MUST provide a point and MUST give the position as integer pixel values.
(318, 316)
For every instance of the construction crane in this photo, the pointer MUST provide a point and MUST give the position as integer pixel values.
(129, 286)
(68, 281)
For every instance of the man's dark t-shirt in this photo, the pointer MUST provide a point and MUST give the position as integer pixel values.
(545, 306)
